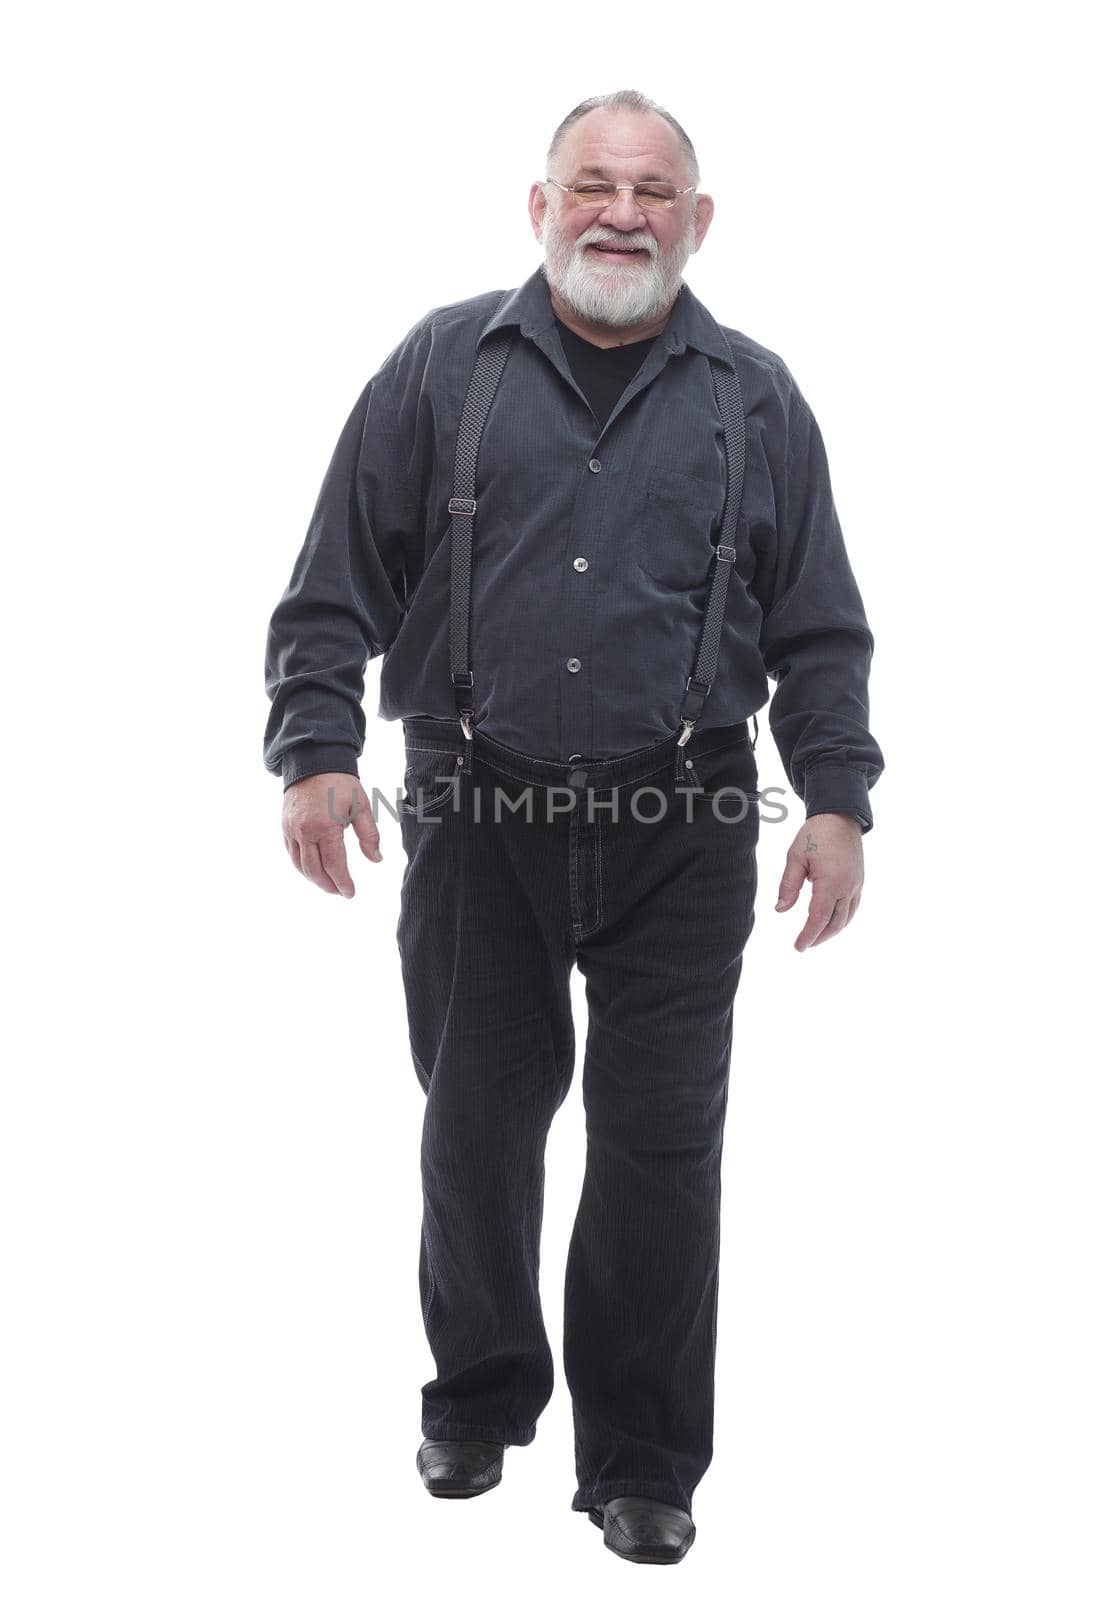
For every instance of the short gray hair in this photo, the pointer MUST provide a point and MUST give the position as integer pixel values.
(626, 100)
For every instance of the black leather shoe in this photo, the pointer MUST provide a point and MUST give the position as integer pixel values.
(639, 1529)
(455, 1469)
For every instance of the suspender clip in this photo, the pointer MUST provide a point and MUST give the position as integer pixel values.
(692, 709)
(463, 696)
(460, 506)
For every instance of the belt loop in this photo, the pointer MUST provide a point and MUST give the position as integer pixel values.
(684, 772)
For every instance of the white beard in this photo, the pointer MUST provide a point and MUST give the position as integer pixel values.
(619, 294)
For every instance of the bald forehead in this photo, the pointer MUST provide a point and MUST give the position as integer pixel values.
(606, 144)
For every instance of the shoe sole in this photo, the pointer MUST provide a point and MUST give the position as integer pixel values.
(644, 1559)
(459, 1494)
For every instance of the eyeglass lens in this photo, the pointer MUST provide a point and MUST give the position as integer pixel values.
(649, 195)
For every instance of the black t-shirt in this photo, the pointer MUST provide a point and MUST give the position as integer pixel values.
(602, 374)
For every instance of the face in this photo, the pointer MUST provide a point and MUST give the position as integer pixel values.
(637, 280)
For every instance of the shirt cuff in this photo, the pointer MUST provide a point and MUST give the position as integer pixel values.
(308, 760)
(830, 786)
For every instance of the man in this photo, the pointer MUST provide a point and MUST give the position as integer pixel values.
(585, 619)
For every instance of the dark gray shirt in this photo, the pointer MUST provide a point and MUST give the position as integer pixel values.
(593, 545)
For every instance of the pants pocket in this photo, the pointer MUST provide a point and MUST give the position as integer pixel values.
(430, 777)
(725, 779)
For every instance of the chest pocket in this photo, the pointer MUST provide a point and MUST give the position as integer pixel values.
(676, 533)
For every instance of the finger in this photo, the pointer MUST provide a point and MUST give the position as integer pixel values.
(368, 834)
(819, 914)
(837, 920)
(313, 866)
(332, 853)
(293, 849)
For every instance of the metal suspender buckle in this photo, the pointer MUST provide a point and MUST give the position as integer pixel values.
(460, 506)
(726, 552)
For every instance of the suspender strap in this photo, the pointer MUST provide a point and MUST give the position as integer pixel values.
(486, 374)
(728, 394)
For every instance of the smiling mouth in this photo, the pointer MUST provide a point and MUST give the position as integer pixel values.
(614, 250)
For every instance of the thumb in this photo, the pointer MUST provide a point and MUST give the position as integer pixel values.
(793, 880)
(368, 834)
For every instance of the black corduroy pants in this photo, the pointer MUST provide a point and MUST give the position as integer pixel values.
(516, 869)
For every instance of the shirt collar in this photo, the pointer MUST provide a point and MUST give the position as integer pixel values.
(690, 323)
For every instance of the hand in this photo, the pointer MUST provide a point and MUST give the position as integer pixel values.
(827, 850)
(315, 812)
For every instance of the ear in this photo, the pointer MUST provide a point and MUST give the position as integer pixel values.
(536, 206)
(705, 210)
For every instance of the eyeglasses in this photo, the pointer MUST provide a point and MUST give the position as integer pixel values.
(650, 196)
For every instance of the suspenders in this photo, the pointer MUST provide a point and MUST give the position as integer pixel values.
(487, 371)
(729, 397)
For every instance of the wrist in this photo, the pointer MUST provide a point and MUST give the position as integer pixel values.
(847, 816)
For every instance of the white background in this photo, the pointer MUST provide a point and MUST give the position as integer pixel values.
(221, 220)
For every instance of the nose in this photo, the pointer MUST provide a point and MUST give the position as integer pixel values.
(625, 207)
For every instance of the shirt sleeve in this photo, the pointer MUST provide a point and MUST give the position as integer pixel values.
(815, 640)
(345, 600)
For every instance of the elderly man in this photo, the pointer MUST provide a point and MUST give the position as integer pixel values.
(583, 525)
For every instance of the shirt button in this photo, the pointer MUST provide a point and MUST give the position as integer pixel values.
(593, 465)
(581, 564)
(576, 757)
(573, 664)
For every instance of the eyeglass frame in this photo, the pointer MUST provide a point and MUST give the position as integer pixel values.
(571, 189)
